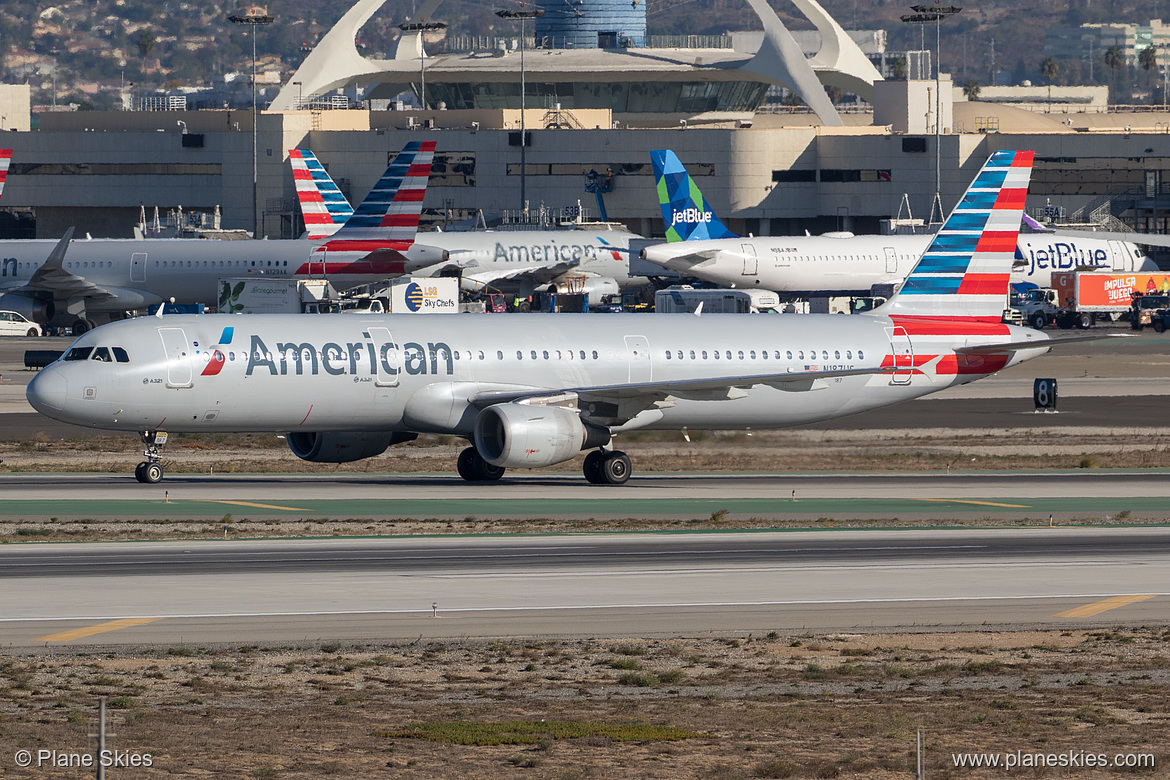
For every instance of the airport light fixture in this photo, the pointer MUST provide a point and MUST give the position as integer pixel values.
(922, 15)
(523, 12)
(254, 16)
(421, 27)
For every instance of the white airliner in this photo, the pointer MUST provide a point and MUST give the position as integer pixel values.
(532, 390)
(591, 259)
(700, 245)
(100, 279)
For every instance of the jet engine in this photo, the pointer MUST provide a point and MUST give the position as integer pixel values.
(30, 308)
(519, 435)
(596, 287)
(330, 447)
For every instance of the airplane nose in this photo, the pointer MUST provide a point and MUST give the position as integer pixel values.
(47, 391)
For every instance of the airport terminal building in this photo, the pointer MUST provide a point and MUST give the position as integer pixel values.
(598, 108)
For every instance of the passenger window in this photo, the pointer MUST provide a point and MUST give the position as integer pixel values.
(753, 354)
(848, 354)
(102, 354)
(668, 354)
(232, 356)
(534, 354)
(481, 355)
(545, 354)
(824, 354)
(800, 355)
(716, 354)
(740, 355)
(558, 354)
(680, 355)
(595, 354)
(704, 354)
(500, 354)
(778, 355)
(837, 355)
(519, 355)
(120, 355)
(860, 356)
(79, 353)
(692, 354)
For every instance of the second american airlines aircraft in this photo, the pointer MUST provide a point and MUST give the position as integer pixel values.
(533, 390)
(700, 245)
(100, 279)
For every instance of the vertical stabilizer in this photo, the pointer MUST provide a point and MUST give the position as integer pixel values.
(5, 160)
(685, 213)
(323, 205)
(964, 273)
(388, 217)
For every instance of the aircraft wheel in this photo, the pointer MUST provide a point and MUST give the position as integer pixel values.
(81, 326)
(524, 307)
(615, 468)
(473, 468)
(592, 467)
(138, 475)
(1037, 320)
(152, 474)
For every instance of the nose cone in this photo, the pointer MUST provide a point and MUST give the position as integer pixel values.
(47, 391)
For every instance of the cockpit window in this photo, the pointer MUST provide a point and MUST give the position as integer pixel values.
(102, 354)
(78, 353)
(120, 355)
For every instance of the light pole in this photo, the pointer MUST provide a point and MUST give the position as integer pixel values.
(255, 17)
(921, 15)
(522, 13)
(56, 58)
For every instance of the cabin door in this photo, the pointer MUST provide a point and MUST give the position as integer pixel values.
(178, 352)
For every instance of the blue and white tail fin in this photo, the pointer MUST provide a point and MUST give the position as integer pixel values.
(964, 273)
(685, 214)
(388, 217)
(323, 206)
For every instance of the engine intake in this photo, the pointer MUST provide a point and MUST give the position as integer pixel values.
(517, 435)
(330, 447)
(39, 311)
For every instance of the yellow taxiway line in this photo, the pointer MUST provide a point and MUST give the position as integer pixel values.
(249, 503)
(100, 628)
(1098, 607)
(976, 503)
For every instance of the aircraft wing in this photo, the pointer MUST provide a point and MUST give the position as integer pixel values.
(691, 258)
(540, 273)
(1014, 346)
(617, 404)
(1147, 239)
(54, 279)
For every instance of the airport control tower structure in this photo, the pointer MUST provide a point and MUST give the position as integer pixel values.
(591, 24)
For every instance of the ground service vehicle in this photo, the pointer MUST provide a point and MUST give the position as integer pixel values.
(1149, 310)
(685, 299)
(1085, 296)
(13, 324)
(1036, 305)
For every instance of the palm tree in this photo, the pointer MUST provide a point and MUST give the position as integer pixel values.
(971, 89)
(1148, 60)
(1115, 59)
(1049, 69)
(898, 69)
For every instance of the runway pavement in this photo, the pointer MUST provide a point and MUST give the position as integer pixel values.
(642, 584)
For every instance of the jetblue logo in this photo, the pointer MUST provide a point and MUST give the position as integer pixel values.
(689, 216)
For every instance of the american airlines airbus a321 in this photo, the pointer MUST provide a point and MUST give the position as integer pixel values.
(532, 390)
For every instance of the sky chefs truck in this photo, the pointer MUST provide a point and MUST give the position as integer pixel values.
(1085, 296)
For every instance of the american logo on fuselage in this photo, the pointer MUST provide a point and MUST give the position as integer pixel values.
(356, 358)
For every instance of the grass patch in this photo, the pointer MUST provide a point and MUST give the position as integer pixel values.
(532, 732)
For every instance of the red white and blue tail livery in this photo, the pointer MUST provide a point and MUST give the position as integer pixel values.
(964, 273)
(5, 161)
(323, 206)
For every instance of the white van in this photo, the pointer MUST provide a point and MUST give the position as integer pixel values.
(13, 324)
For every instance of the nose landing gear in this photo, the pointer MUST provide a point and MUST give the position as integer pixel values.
(150, 471)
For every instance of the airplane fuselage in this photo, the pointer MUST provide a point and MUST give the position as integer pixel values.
(828, 265)
(289, 373)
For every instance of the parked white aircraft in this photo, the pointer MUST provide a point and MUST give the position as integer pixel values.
(700, 245)
(534, 390)
(592, 259)
(101, 279)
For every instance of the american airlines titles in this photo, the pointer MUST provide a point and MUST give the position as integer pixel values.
(356, 358)
(566, 253)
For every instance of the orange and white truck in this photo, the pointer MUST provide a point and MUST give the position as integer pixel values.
(1084, 296)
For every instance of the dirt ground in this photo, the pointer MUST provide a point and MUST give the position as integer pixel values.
(709, 707)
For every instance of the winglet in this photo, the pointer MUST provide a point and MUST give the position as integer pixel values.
(686, 216)
(57, 256)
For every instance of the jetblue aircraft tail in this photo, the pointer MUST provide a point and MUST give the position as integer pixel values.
(323, 206)
(685, 214)
(964, 272)
(5, 160)
(388, 217)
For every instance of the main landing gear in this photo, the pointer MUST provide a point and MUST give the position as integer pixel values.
(473, 468)
(607, 467)
(150, 471)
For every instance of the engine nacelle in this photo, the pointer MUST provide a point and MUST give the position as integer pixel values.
(331, 447)
(40, 311)
(596, 287)
(531, 436)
